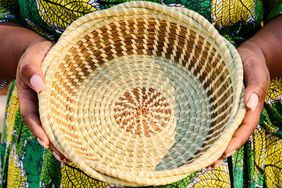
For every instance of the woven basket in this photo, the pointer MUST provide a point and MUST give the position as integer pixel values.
(141, 94)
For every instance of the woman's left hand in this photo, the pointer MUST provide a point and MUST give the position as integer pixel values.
(256, 76)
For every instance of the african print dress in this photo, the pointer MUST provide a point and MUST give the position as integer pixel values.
(24, 163)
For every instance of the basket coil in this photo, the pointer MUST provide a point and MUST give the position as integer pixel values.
(141, 94)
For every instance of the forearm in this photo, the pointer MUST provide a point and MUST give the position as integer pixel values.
(14, 40)
(269, 41)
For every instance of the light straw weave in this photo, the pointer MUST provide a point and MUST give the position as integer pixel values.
(142, 94)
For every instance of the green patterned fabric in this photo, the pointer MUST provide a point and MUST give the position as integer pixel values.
(24, 163)
(6, 15)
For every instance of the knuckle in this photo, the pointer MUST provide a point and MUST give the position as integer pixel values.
(261, 84)
(267, 77)
(26, 68)
(262, 91)
(247, 64)
(262, 88)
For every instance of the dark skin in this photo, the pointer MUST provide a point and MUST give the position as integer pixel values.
(20, 38)
(16, 62)
(261, 56)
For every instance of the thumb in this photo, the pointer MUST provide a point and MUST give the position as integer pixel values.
(256, 76)
(256, 81)
(30, 65)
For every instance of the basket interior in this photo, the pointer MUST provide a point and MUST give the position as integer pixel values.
(141, 94)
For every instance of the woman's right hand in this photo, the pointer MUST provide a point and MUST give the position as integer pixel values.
(30, 81)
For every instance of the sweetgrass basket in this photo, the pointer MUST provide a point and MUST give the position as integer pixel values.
(142, 94)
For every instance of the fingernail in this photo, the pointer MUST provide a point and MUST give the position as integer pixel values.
(58, 157)
(43, 144)
(253, 101)
(66, 160)
(230, 153)
(37, 83)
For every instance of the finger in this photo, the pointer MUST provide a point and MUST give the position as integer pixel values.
(257, 82)
(246, 129)
(29, 110)
(58, 155)
(256, 76)
(28, 107)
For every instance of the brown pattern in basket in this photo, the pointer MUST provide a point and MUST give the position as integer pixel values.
(142, 94)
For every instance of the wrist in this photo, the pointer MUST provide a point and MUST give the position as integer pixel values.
(268, 42)
(15, 40)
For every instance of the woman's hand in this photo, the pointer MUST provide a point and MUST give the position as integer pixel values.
(261, 56)
(256, 76)
(30, 81)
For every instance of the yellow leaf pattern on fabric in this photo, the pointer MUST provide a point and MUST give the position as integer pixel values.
(73, 177)
(218, 177)
(268, 127)
(61, 13)
(16, 177)
(273, 162)
(275, 91)
(229, 12)
(268, 157)
(12, 109)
